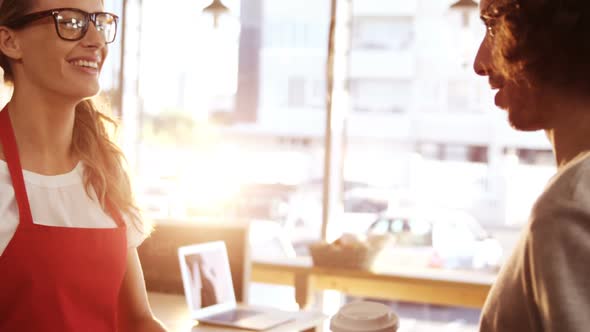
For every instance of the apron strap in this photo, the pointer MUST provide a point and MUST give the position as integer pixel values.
(8, 141)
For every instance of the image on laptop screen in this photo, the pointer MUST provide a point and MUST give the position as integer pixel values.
(209, 291)
(210, 278)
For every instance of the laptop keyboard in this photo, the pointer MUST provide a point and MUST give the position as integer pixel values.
(234, 315)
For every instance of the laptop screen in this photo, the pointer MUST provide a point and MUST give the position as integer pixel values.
(209, 292)
(207, 278)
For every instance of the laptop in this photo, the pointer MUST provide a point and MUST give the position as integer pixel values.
(209, 290)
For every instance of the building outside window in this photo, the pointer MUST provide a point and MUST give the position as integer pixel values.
(381, 95)
(306, 92)
(383, 33)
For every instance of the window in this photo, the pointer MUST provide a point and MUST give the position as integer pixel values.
(294, 33)
(380, 95)
(464, 95)
(412, 158)
(456, 152)
(377, 33)
(306, 92)
(535, 157)
(296, 96)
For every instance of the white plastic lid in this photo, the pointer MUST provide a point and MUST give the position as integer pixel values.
(364, 317)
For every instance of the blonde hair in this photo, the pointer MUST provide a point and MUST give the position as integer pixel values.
(104, 170)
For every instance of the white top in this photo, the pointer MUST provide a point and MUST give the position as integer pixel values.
(59, 200)
(544, 286)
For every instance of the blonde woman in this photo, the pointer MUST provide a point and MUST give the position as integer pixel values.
(68, 224)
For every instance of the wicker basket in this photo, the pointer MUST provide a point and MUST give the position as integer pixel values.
(359, 257)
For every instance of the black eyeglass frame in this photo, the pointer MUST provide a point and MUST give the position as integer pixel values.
(91, 17)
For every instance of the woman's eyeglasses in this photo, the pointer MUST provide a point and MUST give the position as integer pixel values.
(72, 24)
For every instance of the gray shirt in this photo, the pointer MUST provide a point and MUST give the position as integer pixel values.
(545, 285)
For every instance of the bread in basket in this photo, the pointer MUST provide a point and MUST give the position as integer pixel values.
(349, 251)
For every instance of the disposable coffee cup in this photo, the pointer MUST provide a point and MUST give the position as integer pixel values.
(364, 316)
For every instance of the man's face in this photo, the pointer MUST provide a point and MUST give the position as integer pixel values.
(526, 105)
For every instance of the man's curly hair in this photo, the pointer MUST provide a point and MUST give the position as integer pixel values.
(543, 42)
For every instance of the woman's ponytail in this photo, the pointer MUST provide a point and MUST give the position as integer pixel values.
(104, 162)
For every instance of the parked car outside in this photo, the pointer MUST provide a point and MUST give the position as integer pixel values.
(444, 238)
(361, 205)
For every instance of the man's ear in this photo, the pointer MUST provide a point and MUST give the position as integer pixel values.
(9, 44)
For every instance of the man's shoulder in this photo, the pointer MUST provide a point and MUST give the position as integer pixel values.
(571, 184)
(580, 178)
(565, 197)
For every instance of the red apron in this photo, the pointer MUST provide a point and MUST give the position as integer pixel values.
(57, 278)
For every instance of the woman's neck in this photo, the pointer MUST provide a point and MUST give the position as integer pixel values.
(43, 128)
